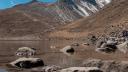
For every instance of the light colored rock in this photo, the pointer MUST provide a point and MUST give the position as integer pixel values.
(103, 45)
(25, 51)
(100, 49)
(81, 69)
(111, 42)
(75, 44)
(123, 47)
(99, 43)
(107, 47)
(85, 44)
(51, 68)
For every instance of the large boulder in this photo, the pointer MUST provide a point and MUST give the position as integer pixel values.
(106, 46)
(68, 50)
(81, 69)
(27, 62)
(25, 51)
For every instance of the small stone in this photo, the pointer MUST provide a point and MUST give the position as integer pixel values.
(85, 44)
(75, 44)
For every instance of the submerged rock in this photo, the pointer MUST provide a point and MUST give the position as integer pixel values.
(27, 62)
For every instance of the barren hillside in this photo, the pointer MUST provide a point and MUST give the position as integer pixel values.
(115, 13)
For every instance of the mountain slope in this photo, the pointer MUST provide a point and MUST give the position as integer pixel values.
(115, 13)
(34, 19)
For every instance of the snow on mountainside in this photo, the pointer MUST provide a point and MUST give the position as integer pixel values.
(65, 11)
(39, 18)
(69, 10)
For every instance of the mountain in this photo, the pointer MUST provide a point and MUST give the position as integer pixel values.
(115, 14)
(32, 20)
(69, 10)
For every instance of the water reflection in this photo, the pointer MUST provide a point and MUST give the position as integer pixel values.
(50, 57)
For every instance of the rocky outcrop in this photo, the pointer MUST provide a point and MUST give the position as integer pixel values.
(107, 65)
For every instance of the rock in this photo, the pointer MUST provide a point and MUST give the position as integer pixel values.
(81, 69)
(85, 44)
(106, 47)
(93, 39)
(103, 45)
(27, 62)
(93, 63)
(105, 50)
(52, 68)
(107, 65)
(121, 40)
(124, 33)
(123, 47)
(99, 43)
(112, 42)
(25, 51)
(68, 50)
(75, 44)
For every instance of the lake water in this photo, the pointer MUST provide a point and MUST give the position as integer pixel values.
(4, 4)
(49, 56)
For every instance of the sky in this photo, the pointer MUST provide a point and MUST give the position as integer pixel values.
(10, 3)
